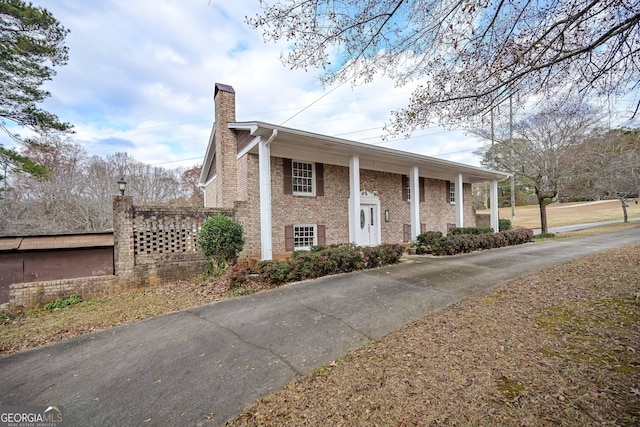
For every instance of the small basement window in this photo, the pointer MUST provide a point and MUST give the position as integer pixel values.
(304, 236)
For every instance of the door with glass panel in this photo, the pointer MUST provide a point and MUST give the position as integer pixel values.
(368, 223)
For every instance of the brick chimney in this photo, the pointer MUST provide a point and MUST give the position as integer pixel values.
(224, 100)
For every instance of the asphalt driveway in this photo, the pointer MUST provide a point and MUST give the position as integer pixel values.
(202, 366)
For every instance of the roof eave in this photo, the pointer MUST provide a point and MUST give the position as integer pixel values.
(475, 173)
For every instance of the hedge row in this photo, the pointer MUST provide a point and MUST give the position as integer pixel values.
(326, 260)
(433, 242)
(470, 230)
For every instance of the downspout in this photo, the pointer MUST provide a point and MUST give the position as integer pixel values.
(272, 137)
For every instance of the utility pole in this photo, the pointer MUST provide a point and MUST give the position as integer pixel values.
(513, 178)
(493, 139)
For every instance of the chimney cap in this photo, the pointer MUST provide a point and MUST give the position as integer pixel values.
(223, 87)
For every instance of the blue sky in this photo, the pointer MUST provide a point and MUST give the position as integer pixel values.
(141, 73)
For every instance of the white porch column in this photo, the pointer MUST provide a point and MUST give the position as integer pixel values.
(414, 203)
(459, 202)
(354, 198)
(264, 159)
(493, 200)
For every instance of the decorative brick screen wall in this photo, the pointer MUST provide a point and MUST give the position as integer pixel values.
(168, 234)
(154, 244)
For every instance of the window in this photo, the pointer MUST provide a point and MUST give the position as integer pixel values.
(302, 175)
(452, 192)
(304, 236)
(406, 189)
(309, 178)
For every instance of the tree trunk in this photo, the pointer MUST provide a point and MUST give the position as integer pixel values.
(624, 203)
(544, 228)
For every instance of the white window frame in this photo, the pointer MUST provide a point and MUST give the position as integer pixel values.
(296, 228)
(311, 193)
(452, 192)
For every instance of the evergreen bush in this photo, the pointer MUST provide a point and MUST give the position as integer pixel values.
(221, 239)
(504, 224)
(457, 243)
(470, 230)
(326, 260)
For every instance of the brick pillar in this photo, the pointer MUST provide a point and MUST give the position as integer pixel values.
(123, 256)
(226, 145)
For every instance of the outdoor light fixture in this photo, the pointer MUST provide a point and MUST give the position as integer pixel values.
(122, 185)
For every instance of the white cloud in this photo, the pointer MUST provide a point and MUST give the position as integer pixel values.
(141, 74)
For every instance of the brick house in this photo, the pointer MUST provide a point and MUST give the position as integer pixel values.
(292, 189)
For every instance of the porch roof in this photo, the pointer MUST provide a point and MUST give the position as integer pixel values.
(312, 147)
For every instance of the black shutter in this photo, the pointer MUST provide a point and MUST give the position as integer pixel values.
(319, 179)
(405, 188)
(421, 183)
(287, 173)
(321, 238)
(288, 238)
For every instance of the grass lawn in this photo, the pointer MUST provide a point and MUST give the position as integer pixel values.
(561, 214)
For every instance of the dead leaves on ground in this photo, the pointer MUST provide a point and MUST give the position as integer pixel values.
(556, 348)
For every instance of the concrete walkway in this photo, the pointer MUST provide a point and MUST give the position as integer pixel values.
(202, 366)
(578, 227)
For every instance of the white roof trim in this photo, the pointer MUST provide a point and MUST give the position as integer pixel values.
(208, 158)
(265, 130)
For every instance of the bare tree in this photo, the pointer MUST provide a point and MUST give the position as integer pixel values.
(76, 193)
(49, 203)
(541, 152)
(614, 165)
(469, 55)
(189, 184)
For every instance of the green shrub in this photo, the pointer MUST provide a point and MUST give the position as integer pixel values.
(464, 243)
(427, 238)
(306, 265)
(326, 260)
(61, 303)
(470, 230)
(518, 236)
(393, 252)
(504, 224)
(385, 254)
(274, 271)
(221, 239)
(343, 259)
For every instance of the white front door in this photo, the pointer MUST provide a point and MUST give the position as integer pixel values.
(368, 225)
